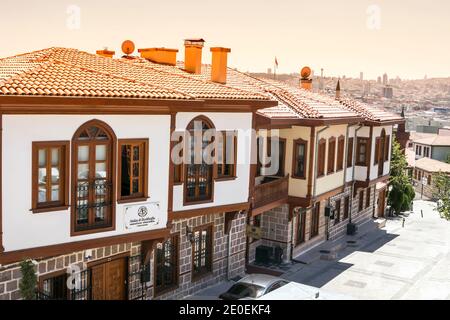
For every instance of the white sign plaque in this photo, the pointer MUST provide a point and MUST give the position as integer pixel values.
(146, 216)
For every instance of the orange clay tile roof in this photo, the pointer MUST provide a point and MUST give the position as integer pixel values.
(368, 112)
(70, 72)
(293, 103)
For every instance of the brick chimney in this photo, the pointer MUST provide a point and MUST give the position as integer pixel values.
(219, 64)
(160, 55)
(305, 80)
(105, 53)
(193, 55)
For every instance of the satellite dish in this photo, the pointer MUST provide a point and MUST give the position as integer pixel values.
(305, 73)
(128, 47)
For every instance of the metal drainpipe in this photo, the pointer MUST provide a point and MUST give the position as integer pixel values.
(353, 169)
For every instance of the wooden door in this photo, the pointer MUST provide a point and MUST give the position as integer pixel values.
(381, 203)
(109, 280)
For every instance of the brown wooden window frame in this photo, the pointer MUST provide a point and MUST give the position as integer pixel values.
(282, 155)
(142, 194)
(377, 149)
(387, 147)
(301, 228)
(361, 201)
(64, 171)
(226, 136)
(340, 153)
(208, 249)
(209, 197)
(331, 155)
(110, 164)
(315, 220)
(57, 278)
(178, 169)
(295, 159)
(321, 154)
(337, 216)
(367, 198)
(350, 152)
(360, 142)
(346, 207)
(174, 261)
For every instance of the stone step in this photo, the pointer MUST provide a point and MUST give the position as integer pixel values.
(381, 223)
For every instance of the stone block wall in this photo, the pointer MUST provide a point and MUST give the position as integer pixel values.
(223, 267)
(10, 275)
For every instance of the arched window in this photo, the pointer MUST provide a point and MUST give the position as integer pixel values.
(198, 171)
(93, 154)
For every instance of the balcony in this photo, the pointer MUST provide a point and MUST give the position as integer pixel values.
(271, 193)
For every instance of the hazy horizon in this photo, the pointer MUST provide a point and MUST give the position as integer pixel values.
(398, 37)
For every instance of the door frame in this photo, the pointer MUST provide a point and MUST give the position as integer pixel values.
(125, 255)
(381, 195)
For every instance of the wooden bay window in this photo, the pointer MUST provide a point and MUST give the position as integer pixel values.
(133, 170)
(50, 175)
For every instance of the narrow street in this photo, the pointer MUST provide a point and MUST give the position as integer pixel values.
(410, 262)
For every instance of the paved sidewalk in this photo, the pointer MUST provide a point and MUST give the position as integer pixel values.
(410, 262)
(406, 263)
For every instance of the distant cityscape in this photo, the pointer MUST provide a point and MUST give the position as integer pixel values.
(426, 102)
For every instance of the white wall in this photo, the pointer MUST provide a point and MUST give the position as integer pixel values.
(225, 192)
(21, 228)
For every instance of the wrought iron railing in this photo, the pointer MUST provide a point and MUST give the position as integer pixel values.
(102, 195)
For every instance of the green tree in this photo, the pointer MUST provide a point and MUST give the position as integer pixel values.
(28, 281)
(401, 192)
(441, 191)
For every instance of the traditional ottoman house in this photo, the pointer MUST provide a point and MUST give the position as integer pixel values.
(334, 164)
(87, 180)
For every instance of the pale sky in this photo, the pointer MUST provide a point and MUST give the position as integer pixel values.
(408, 38)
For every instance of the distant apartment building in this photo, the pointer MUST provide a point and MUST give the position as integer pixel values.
(435, 147)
